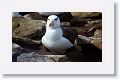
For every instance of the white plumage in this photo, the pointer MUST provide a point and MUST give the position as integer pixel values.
(53, 38)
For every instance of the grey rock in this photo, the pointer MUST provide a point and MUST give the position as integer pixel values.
(16, 49)
(58, 58)
(82, 40)
(33, 57)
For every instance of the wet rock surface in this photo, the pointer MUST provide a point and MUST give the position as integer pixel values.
(83, 29)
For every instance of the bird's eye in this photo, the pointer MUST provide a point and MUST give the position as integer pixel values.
(56, 18)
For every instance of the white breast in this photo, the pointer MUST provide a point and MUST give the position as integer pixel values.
(54, 40)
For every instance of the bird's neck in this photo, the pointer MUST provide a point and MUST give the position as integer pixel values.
(53, 34)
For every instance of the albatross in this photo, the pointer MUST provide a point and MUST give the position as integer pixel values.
(53, 38)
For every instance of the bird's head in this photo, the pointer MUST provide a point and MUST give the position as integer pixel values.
(53, 22)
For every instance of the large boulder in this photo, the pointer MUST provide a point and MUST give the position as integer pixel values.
(23, 27)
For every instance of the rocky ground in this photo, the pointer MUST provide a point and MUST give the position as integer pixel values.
(84, 27)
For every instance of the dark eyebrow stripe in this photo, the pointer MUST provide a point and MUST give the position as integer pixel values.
(56, 18)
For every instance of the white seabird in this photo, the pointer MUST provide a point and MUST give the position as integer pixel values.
(53, 38)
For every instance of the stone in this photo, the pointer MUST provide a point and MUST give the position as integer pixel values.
(49, 13)
(65, 24)
(26, 41)
(97, 39)
(82, 40)
(74, 54)
(33, 57)
(97, 42)
(27, 28)
(97, 15)
(58, 58)
(35, 16)
(16, 51)
(91, 27)
(77, 21)
(98, 33)
(79, 30)
(65, 17)
(90, 48)
(70, 34)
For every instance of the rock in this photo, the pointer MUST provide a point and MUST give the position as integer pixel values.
(82, 40)
(98, 33)
(97, 15)
(79, 30)
(26, 41)
(91, 52)
(33, 57)
(35, 16)
(97, 39)
(49, 13)
(65, 24)
(92, 26)
(65, 17)
(74, 54)
(16, 51)
(77, 21)
(97, 42)
(89, 28)
(58, 58)
(89, 49)
(70, 34)
(27, 28)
